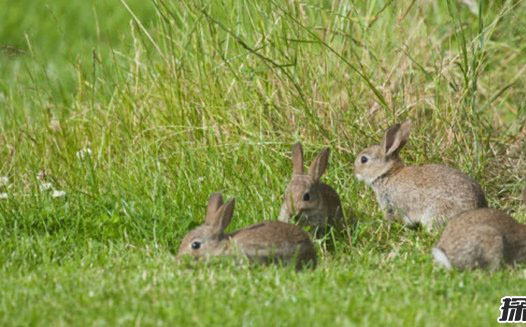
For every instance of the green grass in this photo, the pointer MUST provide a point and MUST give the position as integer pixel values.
(192, 97)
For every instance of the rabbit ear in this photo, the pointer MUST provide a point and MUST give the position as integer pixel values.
(225, 215)
(319, 165)
(214, 203)
(221, 218)
(396, 137)
(297, 159)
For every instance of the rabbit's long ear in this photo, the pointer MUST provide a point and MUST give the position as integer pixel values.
(395, 138)
(225, 215)
(214, 203)
(319, 165)
(297, 159)
(220, 218)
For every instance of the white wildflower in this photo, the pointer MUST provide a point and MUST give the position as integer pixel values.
(3, 196)
(472, 5)
(41, 175)
(58, 194)
(83, 153)
(54, 125)
(45, 186)
(4, 180)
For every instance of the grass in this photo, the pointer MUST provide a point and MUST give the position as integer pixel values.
(180, 99)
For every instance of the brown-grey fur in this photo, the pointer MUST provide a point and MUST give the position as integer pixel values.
(265, 242)
(429, 194)
(481, 238)
(323, 208)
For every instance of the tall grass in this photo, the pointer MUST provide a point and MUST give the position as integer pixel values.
(205, 96)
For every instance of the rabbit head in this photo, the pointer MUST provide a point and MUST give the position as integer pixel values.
(380, 160)
(209, 239)
(303, 194)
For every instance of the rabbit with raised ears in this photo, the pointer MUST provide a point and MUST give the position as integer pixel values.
(265, 242)
(307, 200)
(482, 238)
(428, 195)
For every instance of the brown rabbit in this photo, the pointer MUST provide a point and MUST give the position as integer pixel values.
(481, 238)
(265, 242)
(428, 195)
(307, 200)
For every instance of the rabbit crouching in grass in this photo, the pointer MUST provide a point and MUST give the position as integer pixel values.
(307, 200)
(265, 242)
(482, 238)
(428, 195)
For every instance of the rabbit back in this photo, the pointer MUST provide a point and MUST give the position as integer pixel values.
(483, 238)
(481, 247)
(429, 194)
(275, 241)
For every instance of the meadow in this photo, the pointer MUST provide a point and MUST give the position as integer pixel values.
(119, 118)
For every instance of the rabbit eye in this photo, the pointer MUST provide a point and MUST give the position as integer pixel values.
(196, 245)
(364, 159)
(306, 197)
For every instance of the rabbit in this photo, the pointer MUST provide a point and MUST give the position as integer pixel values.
(428, 195)
(307, 200)
(265, 242)
(481, 238)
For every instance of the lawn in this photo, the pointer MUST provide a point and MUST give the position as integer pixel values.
(119, 118)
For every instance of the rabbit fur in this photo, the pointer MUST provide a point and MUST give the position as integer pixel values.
(264, 242)
(428, 195)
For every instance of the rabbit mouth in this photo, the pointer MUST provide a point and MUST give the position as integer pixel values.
(364, 178)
